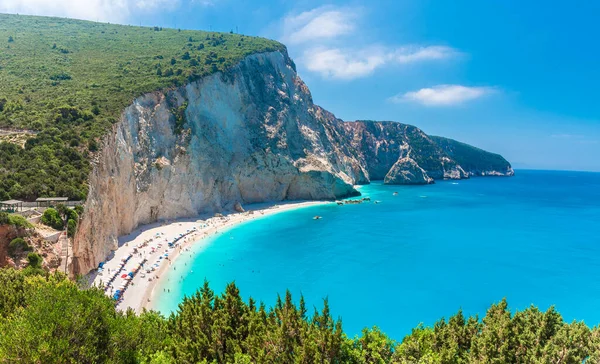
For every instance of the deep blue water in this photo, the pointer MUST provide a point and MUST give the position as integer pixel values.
(421, 255)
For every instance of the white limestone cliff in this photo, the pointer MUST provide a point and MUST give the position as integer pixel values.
(250, 134)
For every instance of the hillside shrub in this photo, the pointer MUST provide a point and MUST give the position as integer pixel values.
(15, 220)
(19, 221)
(52, 218)
(18, 246)
(78, 209)
(3, 218)
(34, 260)
(71, 228)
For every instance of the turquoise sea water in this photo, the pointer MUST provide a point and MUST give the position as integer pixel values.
(420, 255)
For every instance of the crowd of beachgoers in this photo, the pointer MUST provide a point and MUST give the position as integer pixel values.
(137, 262)
(157, 247)
(134, 269)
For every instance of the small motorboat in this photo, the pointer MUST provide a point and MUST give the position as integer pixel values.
(317, 217)
(395, 193)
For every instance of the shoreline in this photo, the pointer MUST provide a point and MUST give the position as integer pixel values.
(150, 243)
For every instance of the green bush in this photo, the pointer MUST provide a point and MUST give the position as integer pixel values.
(18, 246)
(34, 260)
(71, 228)
(78, 209)
(52, 218)
(4, 218)
(19, 221)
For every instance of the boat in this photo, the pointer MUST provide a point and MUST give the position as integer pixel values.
(317, 217)
(395, 193)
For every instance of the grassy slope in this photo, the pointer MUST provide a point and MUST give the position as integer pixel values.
(70, 80)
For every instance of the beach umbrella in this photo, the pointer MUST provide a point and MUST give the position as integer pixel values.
(124, 275)
(130, 274)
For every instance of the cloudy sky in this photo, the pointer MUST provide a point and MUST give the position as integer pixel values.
(517, 78)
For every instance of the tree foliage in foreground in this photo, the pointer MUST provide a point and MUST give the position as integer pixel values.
(48, 319)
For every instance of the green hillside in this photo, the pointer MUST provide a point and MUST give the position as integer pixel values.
(471, 158)
(68, 81)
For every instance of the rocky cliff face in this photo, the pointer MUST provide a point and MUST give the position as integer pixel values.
(249, 135)
(400, 154)
(475, 161)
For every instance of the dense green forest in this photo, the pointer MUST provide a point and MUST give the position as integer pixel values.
(67, 81)
(47, 319)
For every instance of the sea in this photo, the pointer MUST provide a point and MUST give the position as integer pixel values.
(416, 254)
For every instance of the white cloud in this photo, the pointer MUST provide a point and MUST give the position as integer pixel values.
(443, 95)
(353, 63)
(417, 54)
(341, 64)
(328, 43)
(321, 23)
(101, 10)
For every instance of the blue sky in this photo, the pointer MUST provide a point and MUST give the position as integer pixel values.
(515, 77)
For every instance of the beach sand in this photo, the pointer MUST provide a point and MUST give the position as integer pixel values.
(150, 243)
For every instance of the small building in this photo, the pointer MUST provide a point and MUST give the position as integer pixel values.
(11, 206)
(50, 201)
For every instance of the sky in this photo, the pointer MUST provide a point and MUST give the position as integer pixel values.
(519, 78)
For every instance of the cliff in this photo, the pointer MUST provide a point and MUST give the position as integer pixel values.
(249, 134)
(400, 154)
(475, 161)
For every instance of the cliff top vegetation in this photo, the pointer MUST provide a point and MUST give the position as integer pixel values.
(65, 82)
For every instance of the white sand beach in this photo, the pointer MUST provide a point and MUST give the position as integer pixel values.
(144, 256)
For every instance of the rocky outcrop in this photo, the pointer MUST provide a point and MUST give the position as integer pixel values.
(251, 134)
(475, 161)
(407, 172)
(387, 148)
